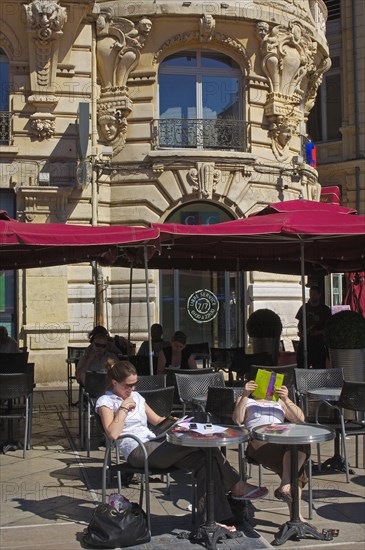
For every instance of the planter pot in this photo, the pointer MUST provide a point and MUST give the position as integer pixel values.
(352, 361)
(267, 345)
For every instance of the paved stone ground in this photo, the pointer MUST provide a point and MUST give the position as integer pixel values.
(47, 499)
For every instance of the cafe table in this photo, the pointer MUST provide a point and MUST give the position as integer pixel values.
(329, 396)
(294, 435)
(210, 532)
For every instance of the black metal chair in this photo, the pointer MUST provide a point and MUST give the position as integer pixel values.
(73, 355)
(15, 387)
(171, 379)
(192, 388)
(142, 364)
(151, 382)
(12, 362)
(95, 385)
(235, 361)
(201, 352)
(159, 399)
(352, 398)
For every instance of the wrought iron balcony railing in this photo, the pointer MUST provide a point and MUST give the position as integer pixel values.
(5, 127)
(172, 133)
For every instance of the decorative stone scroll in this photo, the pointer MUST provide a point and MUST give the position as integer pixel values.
(44, 20)
(204, 178)
(118, 50)
(288, 61)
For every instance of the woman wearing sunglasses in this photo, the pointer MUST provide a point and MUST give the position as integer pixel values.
(100, 351)
(123, 410)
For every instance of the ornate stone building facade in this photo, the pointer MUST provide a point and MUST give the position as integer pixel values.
(196, 112)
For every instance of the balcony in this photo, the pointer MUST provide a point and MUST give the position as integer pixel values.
(5, 127)
(216, 134)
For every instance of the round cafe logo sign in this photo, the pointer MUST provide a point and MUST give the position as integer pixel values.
(203, 306)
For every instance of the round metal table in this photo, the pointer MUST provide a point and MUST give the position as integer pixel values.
(210, 532)
(294, 435)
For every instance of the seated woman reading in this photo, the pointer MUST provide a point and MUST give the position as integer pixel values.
(257, 412)
(123, 410)
(176, 355)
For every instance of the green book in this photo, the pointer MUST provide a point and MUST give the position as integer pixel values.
(267, 383)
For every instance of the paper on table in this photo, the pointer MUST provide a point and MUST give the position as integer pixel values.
(201, 428)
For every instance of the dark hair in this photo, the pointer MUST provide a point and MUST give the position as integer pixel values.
(99, 330)
(316, 289)
(179, 336)
(120, 370)
(4, 337)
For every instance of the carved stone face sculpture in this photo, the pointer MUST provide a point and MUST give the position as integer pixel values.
(109, 126)
(284, 134)
(144, 25)
(262, 29)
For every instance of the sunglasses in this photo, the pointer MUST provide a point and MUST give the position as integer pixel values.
(131, 386)
(97, 345)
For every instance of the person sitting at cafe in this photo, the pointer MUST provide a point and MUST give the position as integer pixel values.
(7, 343)
(256, 412)
(157, 342)
(176, 355)
(96, 355)
(123, 410)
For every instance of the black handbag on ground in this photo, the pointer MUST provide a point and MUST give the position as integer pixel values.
(109, 528)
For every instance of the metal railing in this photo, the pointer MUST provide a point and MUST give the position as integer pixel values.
(5, 127)
(170, 133)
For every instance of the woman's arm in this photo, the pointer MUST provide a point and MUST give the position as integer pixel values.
(152, 417)
(83, 365)
(239, 412)
(113, 422)
(161, 363)
(292, 412)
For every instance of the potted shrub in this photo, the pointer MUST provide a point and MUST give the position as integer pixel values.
(344, 335)
(264, 329)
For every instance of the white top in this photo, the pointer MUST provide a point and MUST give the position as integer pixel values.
(259, 413)
(135, 422)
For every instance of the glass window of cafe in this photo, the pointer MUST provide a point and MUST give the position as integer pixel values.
(7, 278)
(219, 292)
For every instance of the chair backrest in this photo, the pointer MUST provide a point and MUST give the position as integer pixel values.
(201, 352)
(75, 352)
(160, 400)
(190, 386)
(11, 362)
(142, 364)
(221, 402)
(223, 358)
(13, 385)
(311, 379)
(243, 363)
(151, 382)
(353, 396)
(96, 383)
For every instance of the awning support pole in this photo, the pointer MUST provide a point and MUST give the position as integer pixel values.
(150, 351)
(304, 320)
(130, 305)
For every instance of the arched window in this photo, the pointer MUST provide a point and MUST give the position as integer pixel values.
(200, 102)
(4, 99)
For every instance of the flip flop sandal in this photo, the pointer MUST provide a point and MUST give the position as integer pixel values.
(256, 492)
(284, 496)
(230, 528)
